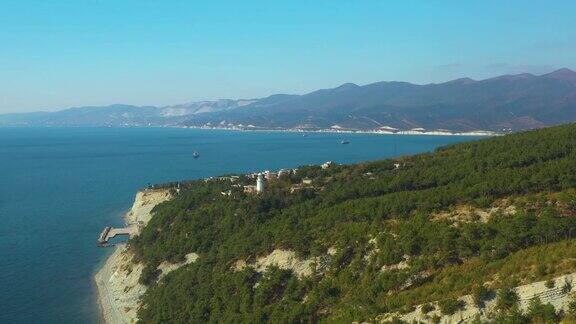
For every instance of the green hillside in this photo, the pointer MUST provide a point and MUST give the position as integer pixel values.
(399, 235)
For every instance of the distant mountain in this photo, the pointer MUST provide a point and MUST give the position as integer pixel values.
(113, 115)
(194, 108)
(508, 102)
(120, 115)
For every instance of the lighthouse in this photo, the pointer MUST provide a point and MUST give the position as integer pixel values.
(260, 183)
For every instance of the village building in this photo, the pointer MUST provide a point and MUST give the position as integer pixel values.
(327, 164)
(260, 183)
(258, 188)
(284, 172)
(268, 175)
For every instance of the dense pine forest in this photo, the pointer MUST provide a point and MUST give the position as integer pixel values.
(384, 236)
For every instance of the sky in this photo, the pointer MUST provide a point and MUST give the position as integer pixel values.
(59, 54)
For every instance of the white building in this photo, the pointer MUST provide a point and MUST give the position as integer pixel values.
(259, 183)
(326, 165)
(270, 175)
(283, 172)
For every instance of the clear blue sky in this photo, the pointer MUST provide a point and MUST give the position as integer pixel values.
(57, 54)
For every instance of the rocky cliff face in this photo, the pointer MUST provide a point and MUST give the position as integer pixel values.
(118, 287)
(558, 296)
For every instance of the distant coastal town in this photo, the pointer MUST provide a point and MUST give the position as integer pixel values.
(385, 130)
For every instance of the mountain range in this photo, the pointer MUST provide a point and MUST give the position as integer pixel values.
(504, 103)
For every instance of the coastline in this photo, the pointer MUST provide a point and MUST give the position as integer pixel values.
(117, 287)
(385, 131)
(116, 281)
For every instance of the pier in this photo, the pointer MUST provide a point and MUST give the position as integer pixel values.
(111, 232)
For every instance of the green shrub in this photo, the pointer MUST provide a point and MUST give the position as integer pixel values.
(149, 275)
(396, 320)
(541, 270)
(512, 316)
(435, 319)
(550, 283)
(450, 306)
(567, 287)
(507, 299)
(540, 313)
(427, 308)
(572, 306)
(480, 293)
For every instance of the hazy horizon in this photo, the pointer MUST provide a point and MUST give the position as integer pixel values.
(61, 54)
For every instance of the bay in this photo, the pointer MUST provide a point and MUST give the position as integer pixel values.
(60, 186)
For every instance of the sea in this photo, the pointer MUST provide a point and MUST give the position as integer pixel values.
(59, 187)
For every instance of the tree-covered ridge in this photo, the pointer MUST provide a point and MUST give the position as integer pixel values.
(374, 214)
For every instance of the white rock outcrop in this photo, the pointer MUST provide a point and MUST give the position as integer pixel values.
(288, 260)
(559, 296)
(119, 291)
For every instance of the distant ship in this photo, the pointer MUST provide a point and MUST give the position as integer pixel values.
(345, 142)
(195, 155)
(305, 135)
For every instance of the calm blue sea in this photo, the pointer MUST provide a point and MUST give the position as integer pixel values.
(60, 186)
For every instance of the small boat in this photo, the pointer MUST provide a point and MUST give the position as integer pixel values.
(345, 142)
(305, 135)
(195, 155)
